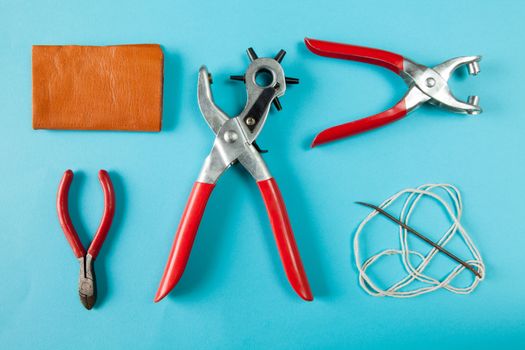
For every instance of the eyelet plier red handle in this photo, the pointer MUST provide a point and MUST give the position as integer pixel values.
(424, 85)
(87, 283)
(235, 142)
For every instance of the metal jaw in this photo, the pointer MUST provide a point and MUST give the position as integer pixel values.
(87, 289)
(431, 84)
(235, 137)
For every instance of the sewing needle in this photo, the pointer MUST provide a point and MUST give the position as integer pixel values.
(411, 230)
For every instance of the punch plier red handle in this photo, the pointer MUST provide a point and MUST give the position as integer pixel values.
(425, 84)
(87, 283)
(235, 143)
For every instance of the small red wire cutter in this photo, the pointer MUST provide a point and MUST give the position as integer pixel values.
(86, 284)
(235, 142)
(424, 85)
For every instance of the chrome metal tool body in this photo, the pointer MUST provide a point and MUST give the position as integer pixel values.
(425, 84)
(235, 142)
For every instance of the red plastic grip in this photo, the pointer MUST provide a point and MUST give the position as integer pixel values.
(63, 215)
(186, 232)
(358, 126)
(67, 224)
(107, 216)
(382, 58)
(284, 238)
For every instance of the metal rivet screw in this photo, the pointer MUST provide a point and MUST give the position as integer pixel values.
(230, 136)
(431, 82)
(250, 121)
(473, 68)
(473, 100)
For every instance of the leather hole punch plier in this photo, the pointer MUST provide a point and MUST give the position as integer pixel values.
(235, 142)
(425, 84)
(86, 284)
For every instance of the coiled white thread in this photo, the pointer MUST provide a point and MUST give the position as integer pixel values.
(416, 273)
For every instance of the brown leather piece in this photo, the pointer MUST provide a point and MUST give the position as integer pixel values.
(98, 87)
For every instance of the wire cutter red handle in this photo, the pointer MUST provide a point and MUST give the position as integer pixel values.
(63, 215)
(386, 59)
(65, 219)
(189, 224)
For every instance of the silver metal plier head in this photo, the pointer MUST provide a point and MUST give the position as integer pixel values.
(87, 288)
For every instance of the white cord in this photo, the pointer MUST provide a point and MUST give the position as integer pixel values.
(416, 273)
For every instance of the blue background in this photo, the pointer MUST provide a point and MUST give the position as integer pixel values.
(234, 293)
